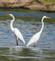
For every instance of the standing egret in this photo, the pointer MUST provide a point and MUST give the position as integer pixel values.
(16, 32)
(36, 37)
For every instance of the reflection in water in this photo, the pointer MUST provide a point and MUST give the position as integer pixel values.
(28, 27)
(20, 54)
(24, 53)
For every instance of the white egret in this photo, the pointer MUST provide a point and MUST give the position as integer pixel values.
(36, 36)
(16, 32)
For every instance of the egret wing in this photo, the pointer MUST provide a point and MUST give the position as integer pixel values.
(19, 35)
(34, 39)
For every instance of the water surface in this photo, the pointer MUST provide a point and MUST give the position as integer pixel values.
(28, 24)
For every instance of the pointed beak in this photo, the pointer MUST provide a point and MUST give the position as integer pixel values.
(47, 17)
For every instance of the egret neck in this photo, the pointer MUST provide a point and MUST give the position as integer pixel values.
(42, 25)
(11, 23)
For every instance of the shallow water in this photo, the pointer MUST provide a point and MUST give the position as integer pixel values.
(25, 54)
(43, 50)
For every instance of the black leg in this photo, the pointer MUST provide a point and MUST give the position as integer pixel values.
(16, 40)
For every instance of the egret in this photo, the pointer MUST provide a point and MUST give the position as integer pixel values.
(36, 36)
(16, 32)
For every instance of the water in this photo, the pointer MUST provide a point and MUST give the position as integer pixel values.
(28, 24)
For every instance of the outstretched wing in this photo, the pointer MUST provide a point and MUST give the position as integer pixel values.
(33, 39)
(19, 35)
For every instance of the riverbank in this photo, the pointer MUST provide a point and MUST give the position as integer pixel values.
(38, 5)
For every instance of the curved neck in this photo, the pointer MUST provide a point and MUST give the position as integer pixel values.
(42, 25)
(11, 23)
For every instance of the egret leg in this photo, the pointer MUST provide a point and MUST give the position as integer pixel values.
(16, 40)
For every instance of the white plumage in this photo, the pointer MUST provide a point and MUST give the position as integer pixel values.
(16, 31)
(19, 35)
(36, 36)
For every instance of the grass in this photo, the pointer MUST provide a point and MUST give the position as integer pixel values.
(4, 17)
(26, 18)
(48, 1)
(20, 10)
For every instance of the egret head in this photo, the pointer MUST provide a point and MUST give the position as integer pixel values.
(11, 15)
(46, 17)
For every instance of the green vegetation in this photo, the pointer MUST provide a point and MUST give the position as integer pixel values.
(50, 20)
(48, 1)
(27, 18)
(5, 17)
(19, 10)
